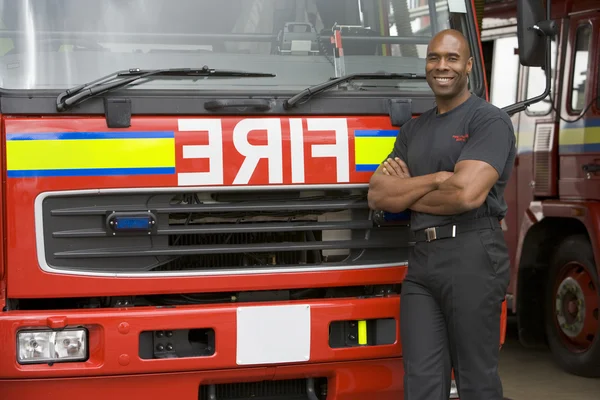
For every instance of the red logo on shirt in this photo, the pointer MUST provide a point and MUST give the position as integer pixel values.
(461, 138)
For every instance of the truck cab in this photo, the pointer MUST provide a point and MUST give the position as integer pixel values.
(183, 194)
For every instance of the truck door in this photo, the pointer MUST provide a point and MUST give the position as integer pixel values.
(537, 141)
(578, 138)
(502, 69)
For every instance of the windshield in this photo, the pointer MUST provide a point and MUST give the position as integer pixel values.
(57, 44)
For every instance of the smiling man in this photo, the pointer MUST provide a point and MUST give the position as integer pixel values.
(450, 167)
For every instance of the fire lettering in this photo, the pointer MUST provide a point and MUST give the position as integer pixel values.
(339, 150)
(297, 147)
(272, 151)
(213, 151)
(244, 156)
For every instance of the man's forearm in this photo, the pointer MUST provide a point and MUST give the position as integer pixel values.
(447, 199)
(394, 194)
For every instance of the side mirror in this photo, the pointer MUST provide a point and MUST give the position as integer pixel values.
(532, 49)
(534, 34)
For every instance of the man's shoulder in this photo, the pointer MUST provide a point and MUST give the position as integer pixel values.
(485, 111)
(417, 121)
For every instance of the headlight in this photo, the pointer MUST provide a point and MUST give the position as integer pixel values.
(453, 390)
(45, 346)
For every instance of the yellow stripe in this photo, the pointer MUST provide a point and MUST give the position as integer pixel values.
(107, 153)
(579, 135)
(372, 150)
(362, 332)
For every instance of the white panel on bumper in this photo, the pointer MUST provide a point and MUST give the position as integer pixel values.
(273, 334)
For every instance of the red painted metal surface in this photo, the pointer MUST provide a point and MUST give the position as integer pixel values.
(111, 341)
(373, 379)
(2, 220)
(32, 282)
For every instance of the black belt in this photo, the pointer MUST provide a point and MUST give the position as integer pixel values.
(452, 230)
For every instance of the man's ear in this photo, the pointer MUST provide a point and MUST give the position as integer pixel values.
(469, 65)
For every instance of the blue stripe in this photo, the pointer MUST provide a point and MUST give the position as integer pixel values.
(366, 167)
(91, 135)
(582, 123)
(579, 148)
(375, 133)
(45, 173)
(567, 148)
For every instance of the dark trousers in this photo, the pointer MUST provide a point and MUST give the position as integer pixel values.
(450, 312)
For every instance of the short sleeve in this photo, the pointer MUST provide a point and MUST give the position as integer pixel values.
(490, 141)
(400, 146)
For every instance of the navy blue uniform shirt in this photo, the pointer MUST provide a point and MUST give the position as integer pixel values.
(475, 130)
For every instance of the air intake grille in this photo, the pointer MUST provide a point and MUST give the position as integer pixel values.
(216, 231)
(543, 167)
(295, 389)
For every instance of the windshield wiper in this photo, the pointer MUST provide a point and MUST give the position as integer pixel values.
(76, 95)
(321, 87)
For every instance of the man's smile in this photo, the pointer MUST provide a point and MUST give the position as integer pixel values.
(443, 80)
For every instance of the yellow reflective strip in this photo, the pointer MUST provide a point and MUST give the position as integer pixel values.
(362, 332)
(372, 150)
(579, 136)
(105, 153)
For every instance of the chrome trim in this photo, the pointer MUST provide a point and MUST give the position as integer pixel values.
(430, 234)
(40, 250)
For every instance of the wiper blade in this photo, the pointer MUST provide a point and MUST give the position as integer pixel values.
(321, 87)
(76, 95)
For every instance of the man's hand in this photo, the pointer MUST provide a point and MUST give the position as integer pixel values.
(392, 189)
(466, 191)
(396, 167)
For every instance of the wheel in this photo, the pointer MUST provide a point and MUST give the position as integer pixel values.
(573, 297)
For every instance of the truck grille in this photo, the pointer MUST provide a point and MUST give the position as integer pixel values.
(293, 389)
(215, 232)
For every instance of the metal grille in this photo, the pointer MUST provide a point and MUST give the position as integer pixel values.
(544, 135)
(208, 231)
(293, 389)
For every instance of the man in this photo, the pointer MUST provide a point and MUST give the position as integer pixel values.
(450, 167)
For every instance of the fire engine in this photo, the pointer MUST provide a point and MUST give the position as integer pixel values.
(183, 194)
(552, 227)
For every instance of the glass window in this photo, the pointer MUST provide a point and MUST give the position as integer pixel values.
(580, 67)
(63, 43)
(505, 72)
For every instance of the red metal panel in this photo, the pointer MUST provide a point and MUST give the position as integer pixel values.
(114, 336)
(374, 379)
(30, 281)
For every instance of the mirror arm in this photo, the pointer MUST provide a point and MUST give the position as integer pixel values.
(547, 28)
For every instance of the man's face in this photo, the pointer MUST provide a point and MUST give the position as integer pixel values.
(448, 66)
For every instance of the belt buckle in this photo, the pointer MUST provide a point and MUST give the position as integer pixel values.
(430, 234)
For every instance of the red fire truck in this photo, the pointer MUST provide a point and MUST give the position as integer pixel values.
(183, 194)
(553, 226)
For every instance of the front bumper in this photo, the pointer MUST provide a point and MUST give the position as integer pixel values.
(114, 337)
(357, 380)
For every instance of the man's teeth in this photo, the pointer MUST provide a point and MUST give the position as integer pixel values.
(443, 79)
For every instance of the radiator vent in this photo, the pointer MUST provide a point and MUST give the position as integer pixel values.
(544, 160)
(216, 232)
(293, 389)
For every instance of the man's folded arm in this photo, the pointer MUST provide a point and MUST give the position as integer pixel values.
(466, 190)
(479, 166)
(395, 194)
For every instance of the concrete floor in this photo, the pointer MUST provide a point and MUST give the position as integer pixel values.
(531, 375)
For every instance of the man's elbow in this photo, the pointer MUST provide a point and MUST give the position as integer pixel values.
(469, 200)
(375, 197)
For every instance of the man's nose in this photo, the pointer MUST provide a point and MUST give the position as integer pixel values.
(442, 65)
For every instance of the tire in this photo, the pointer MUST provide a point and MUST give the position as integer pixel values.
(576, 345)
